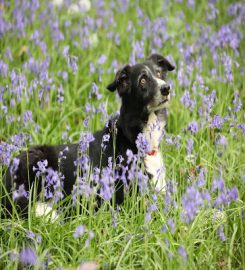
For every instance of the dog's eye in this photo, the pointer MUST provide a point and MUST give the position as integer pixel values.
(142, 81)
(158, 74)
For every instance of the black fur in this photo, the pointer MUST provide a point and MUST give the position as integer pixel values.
(133, 117)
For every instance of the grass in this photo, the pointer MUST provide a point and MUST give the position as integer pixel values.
(133, 243)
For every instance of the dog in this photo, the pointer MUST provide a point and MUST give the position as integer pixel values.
(145, 96)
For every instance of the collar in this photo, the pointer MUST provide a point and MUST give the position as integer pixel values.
(152, 152)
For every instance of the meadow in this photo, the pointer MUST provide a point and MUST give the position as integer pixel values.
(56, 59)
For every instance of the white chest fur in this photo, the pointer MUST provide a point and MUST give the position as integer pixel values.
(154, 165)
(154, 130)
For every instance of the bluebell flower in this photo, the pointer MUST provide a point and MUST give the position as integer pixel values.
(72, 62)
(20, 192)
(142, 144)
(3, 68)
(53, 186)
(221, 233)
(28, 257)
(217, 122)
(237, 103)
(189, 146)
(105, 139)
(95, 92)
(80, 230)
(14, 166)
(101, 59)
(187, 101)
(191, 201)
(85, 139)
(41, 167)
(171, 225)
(65, 51)
(193, 127)
(182, 252)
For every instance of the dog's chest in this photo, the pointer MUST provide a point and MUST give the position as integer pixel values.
(154, 165)
(154, 131)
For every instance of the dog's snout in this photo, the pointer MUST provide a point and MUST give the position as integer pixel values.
(165, 89)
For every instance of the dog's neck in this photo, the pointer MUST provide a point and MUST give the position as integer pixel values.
(150, 123)
(154, 129)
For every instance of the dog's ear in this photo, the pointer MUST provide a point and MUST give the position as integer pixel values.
(162, 62)
(121, 81)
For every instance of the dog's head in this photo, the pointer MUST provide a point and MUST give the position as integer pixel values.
(144, 84)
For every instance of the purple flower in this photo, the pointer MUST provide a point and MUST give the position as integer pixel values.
(14, 166)
(101, 59)
(227, 62)
(182, 252)
(41, 167)
(72, 62)
(232, 194)
(90, 236)
(92, 68)
(201, 177)
(187, 101)
(3, 68)
(86, 121)
(85, 139)
(164, 228)
(217, 122)
(152, 208)
(142, 181)
(221, 233)
(237, 102)
(8, 54)
(27, 117)
(189, 147)
(65, 51)
(172, 186)
(28, 257)
(184, 82)
(107, 183)
(142, 144)
(80, 230)
(221, 140)
(218, 184)
(139, 49)
(208, 101)
(226, 197)
(60, 95)
(171, 225)
(30, 234)
(113, 217)
(20, 192)
(53, 185)
(191, 201)
(193, 127)
(105, 138)
(95, 92)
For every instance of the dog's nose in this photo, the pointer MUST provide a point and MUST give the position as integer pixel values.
(165, 89)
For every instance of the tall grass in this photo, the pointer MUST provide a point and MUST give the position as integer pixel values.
(205, 42)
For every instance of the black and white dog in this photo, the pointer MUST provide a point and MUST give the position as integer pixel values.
(145, 96)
